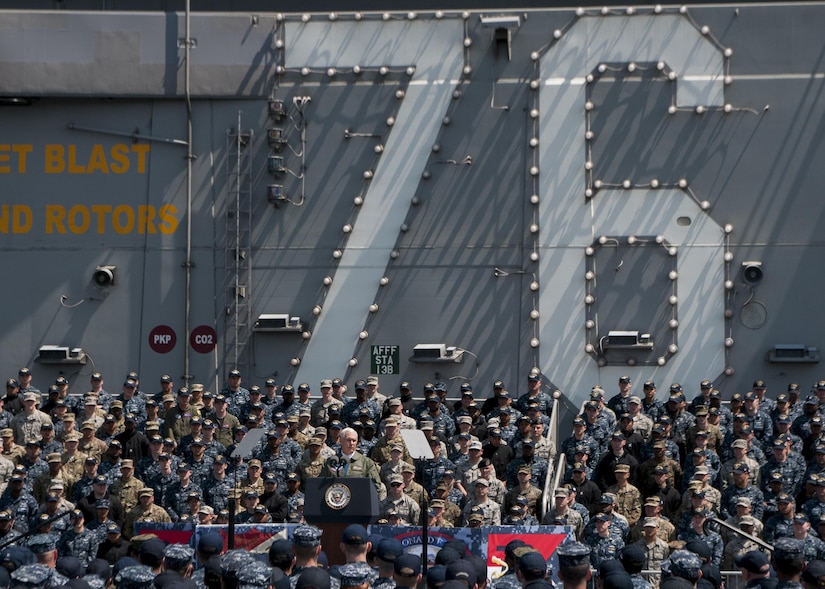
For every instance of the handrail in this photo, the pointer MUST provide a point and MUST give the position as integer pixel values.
(551, 481)
(550, 490)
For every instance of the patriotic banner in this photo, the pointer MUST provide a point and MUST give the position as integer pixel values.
(488, 543)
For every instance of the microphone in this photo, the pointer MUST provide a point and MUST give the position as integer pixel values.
(334, 465)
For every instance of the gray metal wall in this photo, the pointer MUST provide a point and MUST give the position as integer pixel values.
(124, 74)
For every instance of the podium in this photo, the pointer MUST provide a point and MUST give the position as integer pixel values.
(333, 503)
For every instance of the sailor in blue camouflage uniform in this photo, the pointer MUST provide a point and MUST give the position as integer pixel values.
(293, 448)
(213, 446)
(200, 463)
(429, 472)
(619, 527)
(651, 406)
(595, 430)
(33, 576)
(780, 525)
(303, 402)
(296, 497)
(448, 479)
(698, 458)
(270, 397)
(367, 439)
(355, 574)
(135, 577)
(801, 425)
(633, 557)
(815, 507)
(288, 406)
(782, 423)
(538, 465)
(697, 532)
(572, 555)
(235, 394)
(256, 575)
(758, 418)
(136, 404)
(742, 487)
(582, 459)
(443, 424)
(53, 446)
(814, 548)
(33, 463)
(41, 544)
(387, 550)
(605, 416)
(216, 491)
(78, 541)
(791, 465)
(658, 434)
(618, 402)
(352, 409)
(794, 406)
(789, 560)
(535, 393)
(579, 438)
(604, 545)
(683, 564)
(682, 419)
(148, 466)
(276, 458)
(20, 504)
(161, 481)
(176, 497)
(307, 536)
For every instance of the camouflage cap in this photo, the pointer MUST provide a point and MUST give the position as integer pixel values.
(307, 535)
(573, 554)
(41, 543)
(685, 564)
(234, 561)
(32, 576)
(255, 576)
(354, 574)
(787, 549)
(135, 577)
(178, 556)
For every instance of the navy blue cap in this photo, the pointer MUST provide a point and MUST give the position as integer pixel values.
(210, 543)
(313, 578)
(389, 549)
(355, 534)
(461, 570)
(533, 565)
(409, 565)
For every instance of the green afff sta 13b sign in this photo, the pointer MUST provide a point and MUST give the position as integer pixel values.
(384, 360)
